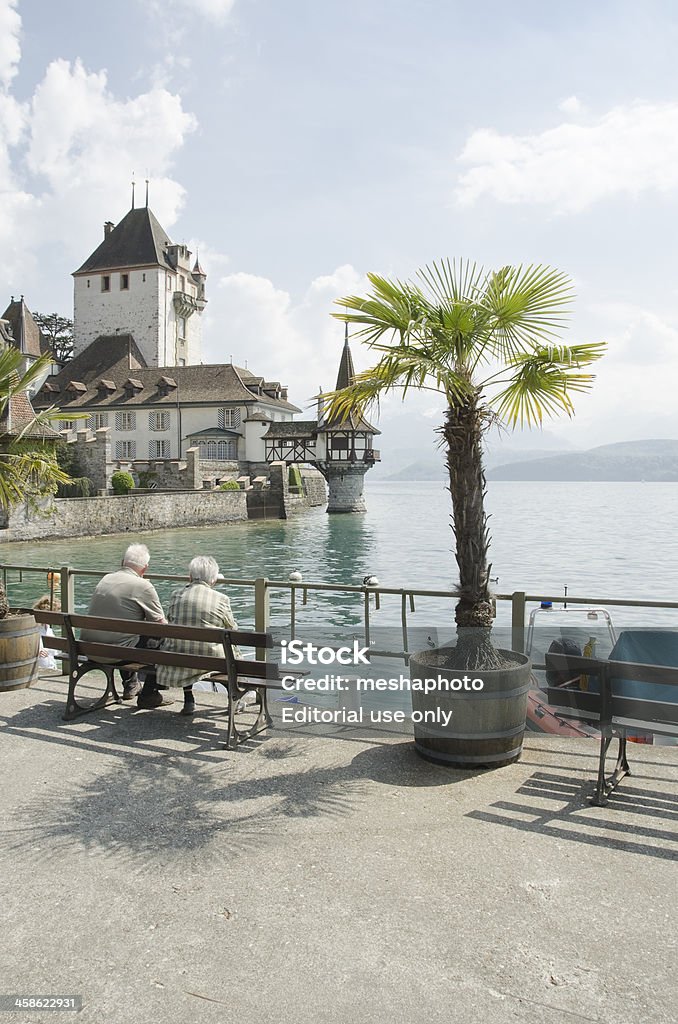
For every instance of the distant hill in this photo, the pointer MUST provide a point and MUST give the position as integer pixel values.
(652, 460)
(435, 469)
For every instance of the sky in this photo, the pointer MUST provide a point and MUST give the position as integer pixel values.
(299, 146)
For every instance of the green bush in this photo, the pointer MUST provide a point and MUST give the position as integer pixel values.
(121, 482)
(229, 485)
(294, 477)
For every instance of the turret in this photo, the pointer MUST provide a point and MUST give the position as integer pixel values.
(349, 451)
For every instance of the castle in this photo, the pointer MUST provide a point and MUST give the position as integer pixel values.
(137, 373)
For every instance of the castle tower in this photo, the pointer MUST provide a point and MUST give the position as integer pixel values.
(138, 282)
(348, 448)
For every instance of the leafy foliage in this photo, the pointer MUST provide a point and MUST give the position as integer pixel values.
(229, 485)
(489, 342)
(122, 482)
(28, 467)
(59, 331)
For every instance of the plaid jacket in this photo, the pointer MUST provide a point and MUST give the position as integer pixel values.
(195, 605)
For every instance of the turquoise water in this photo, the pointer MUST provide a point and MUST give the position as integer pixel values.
(598, 539)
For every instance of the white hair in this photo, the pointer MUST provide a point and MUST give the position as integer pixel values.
(204, 569)
(137, 556)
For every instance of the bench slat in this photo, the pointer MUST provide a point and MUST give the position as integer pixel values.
(158, 630)
(664, 674)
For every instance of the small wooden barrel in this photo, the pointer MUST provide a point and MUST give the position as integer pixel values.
(19, 650)
(480, 728)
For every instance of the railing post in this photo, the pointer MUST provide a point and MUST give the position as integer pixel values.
(518, 621)
(262, 609)
(67, 588)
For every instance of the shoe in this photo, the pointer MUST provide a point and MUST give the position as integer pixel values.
(250, 697)
(148, 701)
(188, 708)
(131, 689)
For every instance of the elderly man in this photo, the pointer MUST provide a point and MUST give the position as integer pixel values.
(125, 594)
(196, 604)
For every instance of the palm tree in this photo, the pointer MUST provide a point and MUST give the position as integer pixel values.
(489, 343)
(28, 468)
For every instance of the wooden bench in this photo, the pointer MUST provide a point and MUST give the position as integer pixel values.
(234, 673)
(613, 712)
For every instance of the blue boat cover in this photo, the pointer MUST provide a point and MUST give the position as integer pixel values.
(647, 647)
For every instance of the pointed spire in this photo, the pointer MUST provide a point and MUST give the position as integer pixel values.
(146, 193)
(133, 185)
(346, 370)
(197, 269)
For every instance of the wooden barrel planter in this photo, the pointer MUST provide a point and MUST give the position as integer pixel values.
(487, 723)
(19, 649)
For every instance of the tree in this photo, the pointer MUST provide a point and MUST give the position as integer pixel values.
(59, 331)
(489, 343)
(28, 467)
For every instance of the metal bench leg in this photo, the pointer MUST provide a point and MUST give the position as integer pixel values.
(263, 721)
(109, 696)
(605, 786)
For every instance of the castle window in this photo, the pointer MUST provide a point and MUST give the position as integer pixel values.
(159, 450)
(158, 420)
(106, 283)
(143, 278)
(88, 283)
(125, 421)
(97, 420)
(125, 449)
(124, 282)
(228, 418)
(182, 283)
(218, 451)
(181, 321)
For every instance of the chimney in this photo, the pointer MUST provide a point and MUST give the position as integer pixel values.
(108, 227)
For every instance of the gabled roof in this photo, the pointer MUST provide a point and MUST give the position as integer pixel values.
(296, 430)
(139, 240)
(26, 336)
(110, 357)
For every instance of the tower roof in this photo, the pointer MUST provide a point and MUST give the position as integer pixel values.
(197, 269)
(138, 240)
(26, 335)
(354, 421)
(346, 369)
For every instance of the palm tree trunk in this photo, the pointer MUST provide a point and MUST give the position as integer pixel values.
(462, 431)
(4, 604)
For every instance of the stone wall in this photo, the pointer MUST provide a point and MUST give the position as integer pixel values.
(94, 456)
(133, 513)
(171, 474)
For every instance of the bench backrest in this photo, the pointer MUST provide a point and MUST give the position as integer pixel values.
(227, 638)
(602, 699)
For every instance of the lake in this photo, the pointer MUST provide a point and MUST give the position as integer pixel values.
(614, 540)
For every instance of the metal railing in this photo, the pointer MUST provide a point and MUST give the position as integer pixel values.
(369, 598)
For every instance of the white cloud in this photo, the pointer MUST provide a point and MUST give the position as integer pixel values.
(628, 151)
(10, 47)
(216, 10)
(80, 144)
(571, 105)
(294, 341)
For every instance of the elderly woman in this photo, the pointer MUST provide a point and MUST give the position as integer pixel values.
(196, 604)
